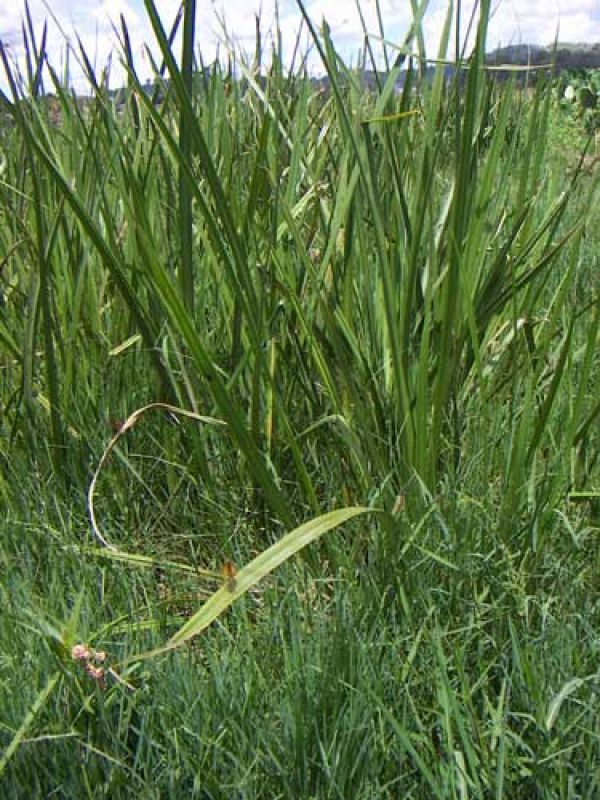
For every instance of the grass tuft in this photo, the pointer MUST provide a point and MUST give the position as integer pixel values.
(381, 304)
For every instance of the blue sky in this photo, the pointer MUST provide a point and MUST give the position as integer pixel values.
(514, 21)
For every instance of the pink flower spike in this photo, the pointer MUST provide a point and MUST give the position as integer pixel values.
(97, 673)
(79, 652)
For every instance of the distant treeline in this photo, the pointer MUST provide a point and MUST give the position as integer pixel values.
(562, 57)
(553, 60)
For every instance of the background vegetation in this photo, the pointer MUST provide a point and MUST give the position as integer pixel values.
(379, 300)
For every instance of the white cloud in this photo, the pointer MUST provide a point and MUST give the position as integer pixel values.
(540, 21)
(110, 11)
(513, 21)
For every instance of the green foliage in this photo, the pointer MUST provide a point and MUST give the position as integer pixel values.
(369, 301)
(579, 93)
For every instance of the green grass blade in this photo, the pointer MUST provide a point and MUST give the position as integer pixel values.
(39, 703)
(247, 577)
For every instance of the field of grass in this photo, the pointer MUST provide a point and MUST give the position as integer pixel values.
(320, 368)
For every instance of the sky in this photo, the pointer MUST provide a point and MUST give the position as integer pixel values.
(93, 21)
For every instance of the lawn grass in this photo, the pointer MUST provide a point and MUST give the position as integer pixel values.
(377, 302)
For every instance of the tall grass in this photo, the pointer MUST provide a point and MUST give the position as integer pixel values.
(342, 270)
(375, 298)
